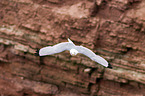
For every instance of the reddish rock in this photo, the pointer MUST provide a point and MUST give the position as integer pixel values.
(113, 29)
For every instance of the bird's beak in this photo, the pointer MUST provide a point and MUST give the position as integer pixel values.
(73, 54)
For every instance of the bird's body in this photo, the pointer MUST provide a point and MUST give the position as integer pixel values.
(74, 50)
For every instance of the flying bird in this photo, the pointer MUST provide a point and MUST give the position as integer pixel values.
(74, 50)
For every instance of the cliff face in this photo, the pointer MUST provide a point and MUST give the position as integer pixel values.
(111, 28)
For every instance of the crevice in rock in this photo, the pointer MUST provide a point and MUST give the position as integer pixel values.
(133, 3)
(94, 9)
(91, 71)
(126, 50)
(41, 60)
(89, 86)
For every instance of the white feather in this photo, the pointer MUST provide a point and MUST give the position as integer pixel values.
(74, 50)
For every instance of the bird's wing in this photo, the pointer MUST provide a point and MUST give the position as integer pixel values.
(49, 50)
(92, 55)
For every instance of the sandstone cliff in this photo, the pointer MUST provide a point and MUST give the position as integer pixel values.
(114, 29)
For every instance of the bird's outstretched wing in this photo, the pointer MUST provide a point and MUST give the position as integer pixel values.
(49, 50)
(93, 56)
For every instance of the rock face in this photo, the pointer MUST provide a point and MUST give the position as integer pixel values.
(114, 29)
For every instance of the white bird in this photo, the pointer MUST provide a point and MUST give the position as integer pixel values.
(74, 50)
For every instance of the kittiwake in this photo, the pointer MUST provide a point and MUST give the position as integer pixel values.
(74, 50)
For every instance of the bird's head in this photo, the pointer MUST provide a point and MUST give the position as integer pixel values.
(73, 52)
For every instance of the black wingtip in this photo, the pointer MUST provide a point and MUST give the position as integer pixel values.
(37, 52)
(109, 66)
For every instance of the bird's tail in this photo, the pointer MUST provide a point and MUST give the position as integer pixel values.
(70, 41)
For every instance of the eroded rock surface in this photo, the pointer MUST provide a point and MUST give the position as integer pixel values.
(114, 29)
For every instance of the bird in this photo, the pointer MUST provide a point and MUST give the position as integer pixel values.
(74, 50)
